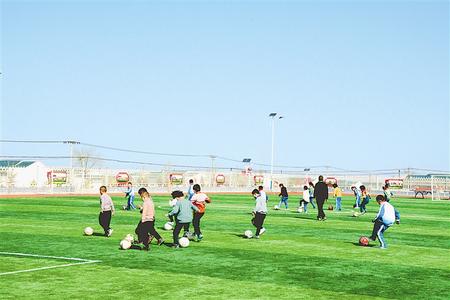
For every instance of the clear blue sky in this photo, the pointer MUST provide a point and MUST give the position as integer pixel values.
(362, 84)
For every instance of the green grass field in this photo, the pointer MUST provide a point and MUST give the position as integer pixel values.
(297, 258)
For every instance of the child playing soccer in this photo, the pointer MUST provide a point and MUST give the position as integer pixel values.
(183, 211)
(284, 196)
(263, 193)
(384, 219)
(311, 194)
(304, 202)
(106, 211)
(191, 191)
(199, 200)
(146, 226)
(172, 204)
(259, 213)
(388, 196)
(366, 197)
(129, 194)
(338, 194)
(357, 193)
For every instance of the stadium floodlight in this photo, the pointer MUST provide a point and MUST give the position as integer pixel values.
(273, 115)
(246, 160)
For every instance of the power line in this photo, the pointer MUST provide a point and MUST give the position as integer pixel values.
(35, 157)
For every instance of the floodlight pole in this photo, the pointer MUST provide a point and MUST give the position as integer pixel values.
(272, 115)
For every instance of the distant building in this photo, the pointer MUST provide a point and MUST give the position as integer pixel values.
(22, 173)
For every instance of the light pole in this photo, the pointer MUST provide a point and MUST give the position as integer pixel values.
(273, 115)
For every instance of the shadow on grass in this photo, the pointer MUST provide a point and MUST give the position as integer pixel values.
(239, 235)
(357, 244)
(98, 234)
(306, 217)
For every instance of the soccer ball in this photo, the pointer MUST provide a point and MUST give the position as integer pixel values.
(300, 209)
(129, 238)
(276, 207)
(189, 235)
(248, 234)
(168, 226)
(88, 231)
(364, 241)
(184, 242)
(125, 244)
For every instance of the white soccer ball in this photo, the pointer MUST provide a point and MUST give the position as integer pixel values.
(168, 226)
(129, 238)
(184, 242)
(276, 207)
(125, 244)
(248, 234)
(300, 209)
(88, 231)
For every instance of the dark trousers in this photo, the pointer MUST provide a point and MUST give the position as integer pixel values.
(144, 230)
(196, 223)
(378, 232)
(177, 230)
(362, 208)
(258, 222)
(104, 219)
(320, 212)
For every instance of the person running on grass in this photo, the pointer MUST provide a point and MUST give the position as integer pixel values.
(357, 193)
(146, 226)
(106, 211)
(284, 196)
(384, 219)
(259, 213)
(183, 211)
(365, 199)
(199, 200)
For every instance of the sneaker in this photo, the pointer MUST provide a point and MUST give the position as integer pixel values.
(324, 218)
(397, 222)
(262, 231)
(256, 236)
(110, 231)
(381, 247)
(175, 246)
(145, 248)
(319, 219)
(199, 237)
(160, 242)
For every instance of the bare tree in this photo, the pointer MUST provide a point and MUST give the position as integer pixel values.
(85, 159)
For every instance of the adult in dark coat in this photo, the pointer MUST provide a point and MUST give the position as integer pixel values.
(321, 195)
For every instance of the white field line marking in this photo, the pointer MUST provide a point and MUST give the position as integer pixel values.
(80, 261)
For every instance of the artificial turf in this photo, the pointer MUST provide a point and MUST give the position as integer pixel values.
(297, 258)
